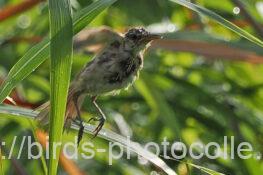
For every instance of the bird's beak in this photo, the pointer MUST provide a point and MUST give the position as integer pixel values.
(151, 37)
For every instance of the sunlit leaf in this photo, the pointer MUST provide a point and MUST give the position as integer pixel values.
(61, 36)
(214, 16)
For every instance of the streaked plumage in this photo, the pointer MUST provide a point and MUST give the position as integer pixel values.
(116, 67)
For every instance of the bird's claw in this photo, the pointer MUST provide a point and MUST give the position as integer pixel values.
(93, 119)
(99, 127)
(81, 131)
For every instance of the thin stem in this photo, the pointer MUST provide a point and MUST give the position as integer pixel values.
(104, 133)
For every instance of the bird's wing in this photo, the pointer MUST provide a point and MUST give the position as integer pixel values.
(95, 39)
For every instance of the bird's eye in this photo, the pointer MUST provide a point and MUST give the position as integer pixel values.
(133, 36)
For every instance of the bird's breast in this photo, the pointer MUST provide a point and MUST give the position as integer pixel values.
(126, 70)
(110, 72)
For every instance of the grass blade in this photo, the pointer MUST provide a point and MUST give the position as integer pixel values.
(104, 133)
(1, 161)
(42, 158)
(61, 47)
(206, 170)
(214, 16)
(27, 64)
(40, 52)
(143, 85)
(201, 168)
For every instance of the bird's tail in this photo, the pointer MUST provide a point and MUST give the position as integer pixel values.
(70, 114)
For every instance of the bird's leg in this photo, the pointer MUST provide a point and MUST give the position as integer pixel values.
(101, 119)
(81, 126)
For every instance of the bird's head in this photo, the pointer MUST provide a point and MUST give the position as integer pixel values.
(138, 38)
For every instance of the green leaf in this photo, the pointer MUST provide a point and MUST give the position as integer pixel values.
(147, 88)
(201, 168)
(214, 16)
(40, 52)
(61, 36)
(27, 64)
(104, 133)
(42, 158)
(206, 170)
(1, 162)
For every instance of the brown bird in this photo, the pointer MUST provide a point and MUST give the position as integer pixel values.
(116, 67)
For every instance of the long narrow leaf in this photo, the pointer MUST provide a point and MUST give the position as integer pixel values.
(163, 108)
(61, 36)
(42, 158)
(40, 52)
(1, 162)
(201, 168)
(220, 20)
(104, 133)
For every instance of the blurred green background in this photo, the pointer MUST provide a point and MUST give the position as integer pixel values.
(203, 82)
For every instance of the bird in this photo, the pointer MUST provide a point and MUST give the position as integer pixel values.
(114, 68)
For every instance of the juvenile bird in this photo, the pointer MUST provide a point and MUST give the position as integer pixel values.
(116, 67)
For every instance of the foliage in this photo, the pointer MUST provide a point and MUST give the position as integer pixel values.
(61, 41)
(199, 84)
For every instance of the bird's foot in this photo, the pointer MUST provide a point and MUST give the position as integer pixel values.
(93, 119)
(99, 127)
(81, 131)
